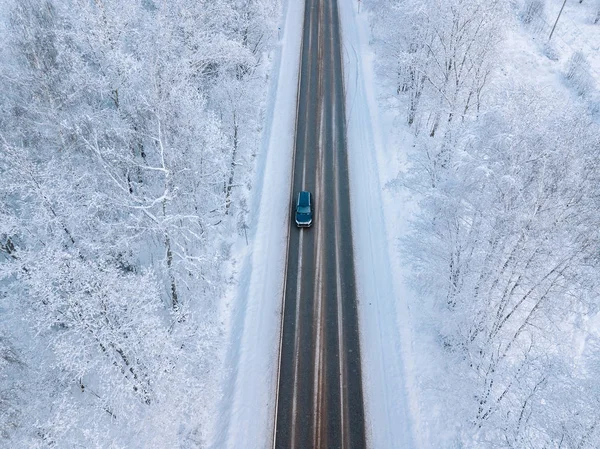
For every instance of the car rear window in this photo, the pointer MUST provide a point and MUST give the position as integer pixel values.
(303, 199)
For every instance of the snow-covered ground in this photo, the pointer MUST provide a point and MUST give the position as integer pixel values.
(529, 55)
(383, 307)
(253, 313)
(575, 31)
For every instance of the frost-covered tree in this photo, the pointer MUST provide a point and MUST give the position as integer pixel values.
(442, 55)
(116, 160)
(506, 243)
(503, 248)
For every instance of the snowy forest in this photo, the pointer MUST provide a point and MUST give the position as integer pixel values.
(504, 167)
(128, 131)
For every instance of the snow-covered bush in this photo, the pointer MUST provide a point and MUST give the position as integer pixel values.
(532, 11)
(578, 74)
(551, 52)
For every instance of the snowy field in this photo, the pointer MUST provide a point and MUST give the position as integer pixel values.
(383, 306)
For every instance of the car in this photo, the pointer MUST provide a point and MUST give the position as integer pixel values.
(304, 210)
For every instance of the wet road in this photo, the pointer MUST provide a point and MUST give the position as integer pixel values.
(319, 398)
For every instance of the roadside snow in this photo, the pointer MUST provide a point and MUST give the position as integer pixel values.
(383, 307)
(253, 317)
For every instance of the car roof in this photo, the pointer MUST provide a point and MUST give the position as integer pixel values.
(304, 198)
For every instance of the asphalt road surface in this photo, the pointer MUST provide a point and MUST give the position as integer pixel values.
(319, 398)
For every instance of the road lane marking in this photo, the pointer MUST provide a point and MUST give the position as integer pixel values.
(317, 383)
(318, 378)
(337, 243)
(338, 278)
(297, 341)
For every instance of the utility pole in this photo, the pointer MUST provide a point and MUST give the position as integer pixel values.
(559, 13)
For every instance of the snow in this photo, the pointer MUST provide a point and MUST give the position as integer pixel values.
(574, 32)
(383, 307)
(406, 380)
(246, 416)
(529, 55)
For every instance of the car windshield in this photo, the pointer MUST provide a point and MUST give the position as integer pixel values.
(303, 210)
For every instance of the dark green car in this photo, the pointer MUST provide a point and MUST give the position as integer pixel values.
(304, 210)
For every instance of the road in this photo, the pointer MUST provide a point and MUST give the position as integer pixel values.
(319, 396)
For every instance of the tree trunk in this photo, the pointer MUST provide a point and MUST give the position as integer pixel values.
(232, 166)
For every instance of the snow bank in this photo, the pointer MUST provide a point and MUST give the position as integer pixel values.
(383, 311)
(246, 415)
